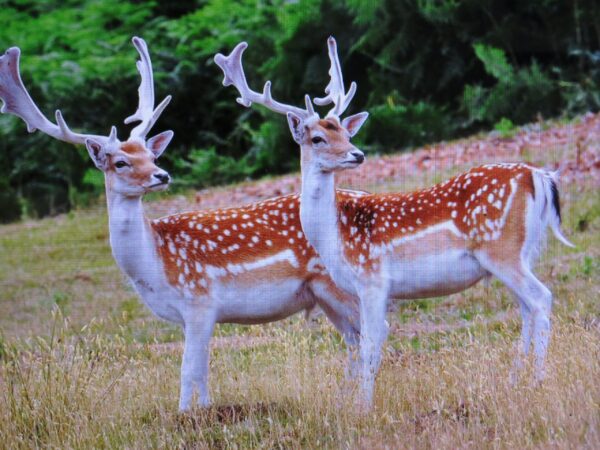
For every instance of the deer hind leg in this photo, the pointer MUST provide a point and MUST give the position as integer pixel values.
(540, 297)
(525, 343)
(536, 306)
(194, 364)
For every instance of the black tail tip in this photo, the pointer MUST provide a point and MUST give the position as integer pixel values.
(555, 199)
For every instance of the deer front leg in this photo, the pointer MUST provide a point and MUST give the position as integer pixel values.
(194, 365)
(341, 309)
(349, 331)
(373, 332)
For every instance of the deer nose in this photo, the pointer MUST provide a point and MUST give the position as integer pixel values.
(359, 156)
(163, 177)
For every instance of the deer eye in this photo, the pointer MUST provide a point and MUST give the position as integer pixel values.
(121, 164)
(317, 140)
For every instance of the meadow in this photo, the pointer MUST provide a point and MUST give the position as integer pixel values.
(83, 364)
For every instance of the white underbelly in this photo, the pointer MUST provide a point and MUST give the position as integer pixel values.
(262, 302)
(439, 273)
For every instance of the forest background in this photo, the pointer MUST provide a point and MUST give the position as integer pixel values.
(427, 70)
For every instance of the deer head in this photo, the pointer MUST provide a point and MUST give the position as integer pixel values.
(129, 167)
(325, 143)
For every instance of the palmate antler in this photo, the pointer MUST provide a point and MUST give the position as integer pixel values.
(145, 111)
(234, 75)
(17, 101)
(335, 89)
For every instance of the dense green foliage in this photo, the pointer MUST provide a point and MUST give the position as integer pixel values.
(426, 70)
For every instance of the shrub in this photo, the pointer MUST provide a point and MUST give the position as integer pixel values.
(519, 94)
(205, 167)
(426, 70)
(393, 125)
(505, 128)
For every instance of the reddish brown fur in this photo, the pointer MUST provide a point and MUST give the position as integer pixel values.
(337, 138)
(140, 159)
(133, 148)
(474, 201)
(329, 124)
(222, 239)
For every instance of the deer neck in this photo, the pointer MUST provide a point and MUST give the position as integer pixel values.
(132, 240)
(319, 218)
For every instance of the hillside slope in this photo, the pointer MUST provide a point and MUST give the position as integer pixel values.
(83, 364)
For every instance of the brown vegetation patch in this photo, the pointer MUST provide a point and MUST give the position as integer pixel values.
(572, 148)
(235, 342)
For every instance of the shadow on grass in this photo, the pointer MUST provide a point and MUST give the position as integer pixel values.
(199, 418)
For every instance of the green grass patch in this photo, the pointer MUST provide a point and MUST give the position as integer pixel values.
(83, 364)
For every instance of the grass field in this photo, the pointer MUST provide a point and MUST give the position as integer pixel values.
(84, 365)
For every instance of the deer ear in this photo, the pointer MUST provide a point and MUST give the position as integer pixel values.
(296, 125)
(97, 153)
(157, 144)
(353, 123)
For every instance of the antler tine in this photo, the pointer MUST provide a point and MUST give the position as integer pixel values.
(234, 75)
(145, 112)
(17, 101)
(335, 89)
(69, 136)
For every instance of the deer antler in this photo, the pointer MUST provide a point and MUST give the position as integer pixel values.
(234, 75)
(145, 113)
(17, 101)
(335, 89)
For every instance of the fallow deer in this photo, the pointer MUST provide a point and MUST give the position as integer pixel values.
(246, 265)
(437, 241)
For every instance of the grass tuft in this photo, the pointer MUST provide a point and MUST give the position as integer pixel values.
(84, 365)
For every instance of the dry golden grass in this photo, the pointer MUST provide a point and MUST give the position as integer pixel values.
(83, 364)
(85, 390)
